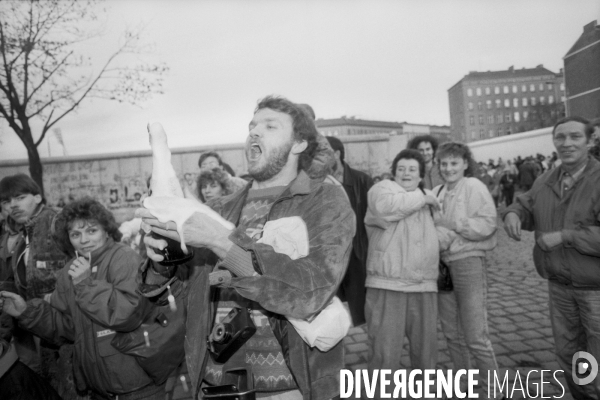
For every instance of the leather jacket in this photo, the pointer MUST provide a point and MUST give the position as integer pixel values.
(286, 287)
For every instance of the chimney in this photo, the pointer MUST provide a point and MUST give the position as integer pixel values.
(540, 66)
(511, 68)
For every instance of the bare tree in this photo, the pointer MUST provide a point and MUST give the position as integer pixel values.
(45, 75)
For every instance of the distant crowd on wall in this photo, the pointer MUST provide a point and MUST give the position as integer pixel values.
(285, 260)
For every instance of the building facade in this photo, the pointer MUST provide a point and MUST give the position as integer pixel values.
(351, 127)
(582, 74)
(490, 104)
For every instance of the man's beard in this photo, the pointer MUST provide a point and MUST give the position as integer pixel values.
(274, 164)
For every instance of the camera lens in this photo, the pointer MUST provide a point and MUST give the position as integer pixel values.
(222, 332)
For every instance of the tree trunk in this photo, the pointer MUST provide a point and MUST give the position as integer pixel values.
(35, 168)
(35, 164)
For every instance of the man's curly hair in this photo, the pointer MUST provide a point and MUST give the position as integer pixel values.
(86, 209)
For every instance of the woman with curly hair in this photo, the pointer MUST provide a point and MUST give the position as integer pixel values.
(95, 296)
(213, 184)
(467, 230)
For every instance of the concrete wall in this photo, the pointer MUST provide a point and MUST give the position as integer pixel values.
(119, 180)
(508, 147)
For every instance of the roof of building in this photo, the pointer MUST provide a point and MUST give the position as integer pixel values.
(344, 121)
(511, 72)
(591, 34)
(324, 123)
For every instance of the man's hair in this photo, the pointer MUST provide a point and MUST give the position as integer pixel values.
(204, 156)
(86, 209)
(456, 149)
(227, 168)
(574, 118)
(214, 175)
(417, 140)
(337, 145)
(16, 185)
(409, 154)
(308, 109)
(303, 126)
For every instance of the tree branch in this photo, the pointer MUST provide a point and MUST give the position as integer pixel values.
(45, 129)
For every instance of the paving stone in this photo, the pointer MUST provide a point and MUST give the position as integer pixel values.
(510, 336)
(543, 355)
(546, 332)
(528, 325)
(516, 346)
(357, 347)
(360, 337)
(351, 358)
(518, 317)
(500, 320)
(514, 310)
(539, 344)
(508, 328)
(530, 333)
(497, 312)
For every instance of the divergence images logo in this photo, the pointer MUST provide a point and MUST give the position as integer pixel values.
(584, 363)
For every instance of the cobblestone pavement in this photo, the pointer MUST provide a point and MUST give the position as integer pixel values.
(519, 326)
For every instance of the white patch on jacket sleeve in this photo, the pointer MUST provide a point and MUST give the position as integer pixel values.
(287, 236)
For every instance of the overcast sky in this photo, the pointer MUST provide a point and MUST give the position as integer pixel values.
(380, 60)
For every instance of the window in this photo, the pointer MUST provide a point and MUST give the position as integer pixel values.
(533, 101)
(515, 89)
(507, 117)
(508, 131)
(488, 104)
(517, 117)
(542, 100)
(532, 88)
(490, 119)
(562, 99)
(481, 134)
(550, 99)
(480, 106)
(462, 121)
(471, 120)
(491, 133)
(473, 135)
(499, 118)
(549, 86)
(534, 115)
(506, 90)
(500, 132)
(469, 92)
(506, 103)
(470, 106)
(481, 120)
(541, 87)
(562, 86)
(497, 90)
(525, 115)
(478, 91)
(487, 90)
(524, 88)
(524, 101)
(515, 102)
(498, 103)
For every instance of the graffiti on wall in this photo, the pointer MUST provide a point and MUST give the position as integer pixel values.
(120, 183)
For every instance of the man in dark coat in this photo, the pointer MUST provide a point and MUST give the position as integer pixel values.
(356, 184)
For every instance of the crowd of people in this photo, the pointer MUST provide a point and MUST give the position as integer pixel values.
(281, 262)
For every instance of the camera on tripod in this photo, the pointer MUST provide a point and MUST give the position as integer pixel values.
(229, 335)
